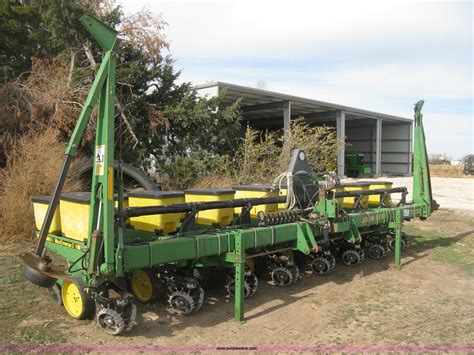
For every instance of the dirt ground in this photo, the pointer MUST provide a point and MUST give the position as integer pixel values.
(426, 302)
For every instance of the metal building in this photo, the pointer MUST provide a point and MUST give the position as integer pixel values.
(385, 140)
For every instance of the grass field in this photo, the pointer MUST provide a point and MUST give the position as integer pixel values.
(448, 171)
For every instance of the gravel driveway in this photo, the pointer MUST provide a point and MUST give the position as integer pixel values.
(452, 193)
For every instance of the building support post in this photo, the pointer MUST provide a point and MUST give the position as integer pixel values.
(341, 138)
(286, 121)
(378, 148)
(410, 152)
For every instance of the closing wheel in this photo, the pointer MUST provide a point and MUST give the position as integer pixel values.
(131, 316)
(252, 281)
(361, 252)
(248, 291)
(404, 241)
(332, 261)
(198, 297)
(110, 321)
(376, 251)
(75, 299)
(143, 286)
(181, 302)
(321, 265)
(296, 272)
(282, 276)
(351, 257)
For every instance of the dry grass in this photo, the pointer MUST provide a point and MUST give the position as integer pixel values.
(215, 180)
(261, 157)
(447, 170)
(32, 169)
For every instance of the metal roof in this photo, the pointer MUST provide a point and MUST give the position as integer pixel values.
(266, 106)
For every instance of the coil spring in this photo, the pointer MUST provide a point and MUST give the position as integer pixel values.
(279, 217)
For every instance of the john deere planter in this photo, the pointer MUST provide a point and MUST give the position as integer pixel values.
(157, 246)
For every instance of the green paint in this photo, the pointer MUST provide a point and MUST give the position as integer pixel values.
(208, 247)
(421, 171)
(239, 278)
(398, 236)
(106, 36)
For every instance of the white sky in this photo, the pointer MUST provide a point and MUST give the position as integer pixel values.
(381, 55)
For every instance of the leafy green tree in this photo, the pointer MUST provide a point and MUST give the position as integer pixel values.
(164, 125)
(15, 34)
(40, 29)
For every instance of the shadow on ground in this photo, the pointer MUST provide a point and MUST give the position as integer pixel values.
(163, 324)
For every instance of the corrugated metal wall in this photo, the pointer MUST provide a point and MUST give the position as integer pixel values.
(362, 140)
(396, 149)
(396, 146)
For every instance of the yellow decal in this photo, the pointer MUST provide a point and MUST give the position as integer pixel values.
(63, 243)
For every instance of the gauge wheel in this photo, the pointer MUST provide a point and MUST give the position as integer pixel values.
(75, 299)
(143, 284)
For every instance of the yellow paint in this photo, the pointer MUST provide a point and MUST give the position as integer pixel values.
(142, 286)
(168, 223)
(283, 192)
(348, 202)
(74, 219)
(40, 210)
(72, 299)
(374, 200)
(125, 202)
(242, 193)
(221, 216)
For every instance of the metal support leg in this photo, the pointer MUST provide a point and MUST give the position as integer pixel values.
(398, 236)
(341, 137)
(287, 127)
(239, 278)
(378, 148)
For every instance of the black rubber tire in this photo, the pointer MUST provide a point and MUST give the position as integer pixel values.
(128, 171)
(351, 257)
(38, 278)
(282, 276)
(55, 294)
(376, 251)
(321, 265)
